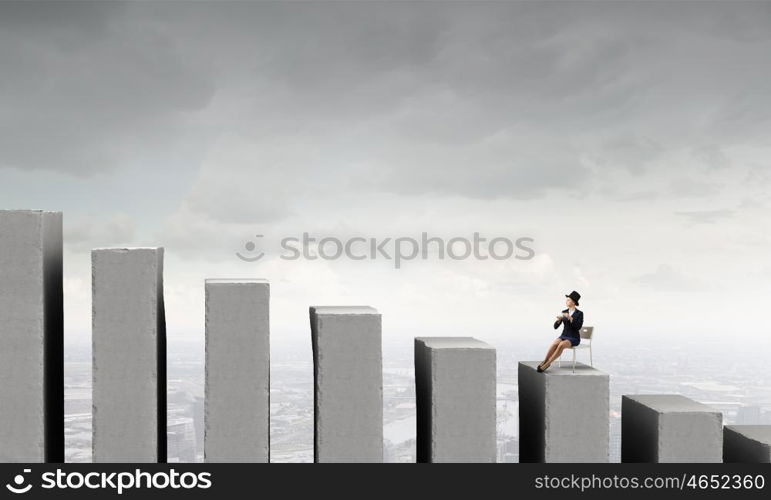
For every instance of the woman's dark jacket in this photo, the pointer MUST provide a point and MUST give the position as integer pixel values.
(571, 328)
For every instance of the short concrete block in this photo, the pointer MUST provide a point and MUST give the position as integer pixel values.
(129, 355)
(669, 428)
(348, 384)
(747, 443)
(237, 403)
(455, 389)
(563, 416)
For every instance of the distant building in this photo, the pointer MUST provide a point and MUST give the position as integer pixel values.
(181, 440)
(508, 450)
(198, 423)
(749, 414)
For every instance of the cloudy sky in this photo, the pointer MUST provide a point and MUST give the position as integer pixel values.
(629, 140)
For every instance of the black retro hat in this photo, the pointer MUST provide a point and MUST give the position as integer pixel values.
(575, 296)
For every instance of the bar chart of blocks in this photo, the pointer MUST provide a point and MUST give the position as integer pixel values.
(563, 412)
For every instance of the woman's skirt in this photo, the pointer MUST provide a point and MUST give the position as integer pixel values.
(574, 341)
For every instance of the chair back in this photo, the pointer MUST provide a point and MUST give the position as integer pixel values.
(586, 332)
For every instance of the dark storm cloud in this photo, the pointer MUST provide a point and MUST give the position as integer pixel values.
(86, 86)
(503, 99)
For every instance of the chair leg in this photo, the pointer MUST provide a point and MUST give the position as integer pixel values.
(591, 361)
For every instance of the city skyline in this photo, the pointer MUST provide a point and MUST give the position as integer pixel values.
(678, 369)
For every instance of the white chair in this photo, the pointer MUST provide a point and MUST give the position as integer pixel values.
(586, 335)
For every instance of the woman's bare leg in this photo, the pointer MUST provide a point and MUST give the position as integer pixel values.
(560, 347)
(553, 347)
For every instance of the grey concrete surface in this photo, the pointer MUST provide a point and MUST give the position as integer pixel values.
(669, 428)
(31, 337)
(237, 387)
(455, 390)
(747, 443)
(129, 355)
(348, 384)
(563, 416)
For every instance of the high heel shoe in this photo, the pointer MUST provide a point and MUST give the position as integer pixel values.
(539, 369)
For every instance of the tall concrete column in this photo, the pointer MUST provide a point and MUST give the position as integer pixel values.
(129, 355)
(455, 384)
(669, 428)
(747, 443)
(31, 337)
(348, 384)
(563, 416)
(237, 405)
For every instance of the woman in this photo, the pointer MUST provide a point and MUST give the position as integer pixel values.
(571, 320)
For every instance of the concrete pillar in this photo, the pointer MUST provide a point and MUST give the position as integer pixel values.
(31, 337)
(237, 405)
(455, 390)
(563, 416)
(668, 428)
(129, 355)
(747, 443)
(348, 380)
